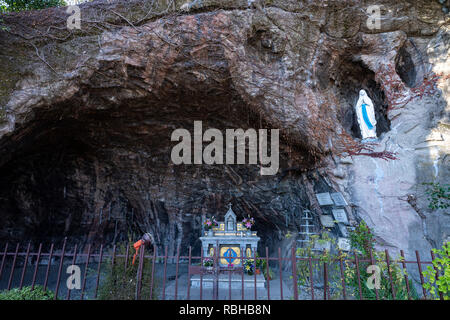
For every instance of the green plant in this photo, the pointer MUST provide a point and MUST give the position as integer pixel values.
(120, 284)
(208, 262)
(249, 266)
(441, 262)
(27, 294)
(438, 195)
(362, 240)
(21, 5)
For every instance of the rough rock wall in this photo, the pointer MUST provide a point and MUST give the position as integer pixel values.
(87, 116)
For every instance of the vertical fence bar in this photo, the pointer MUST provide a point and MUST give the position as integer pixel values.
(268, 274)
(50, 255)
(402, 254)
(229, 283)
(441, 296)
(388, 264)
(176, 272)
(311, 277)
(254, 273)
(74, 261)
(242, 273)
(201, 272)
(126, 259)
(216, 273)
(189, 274)
(85, 271)
(61, 262)
(420, 273)
(341, 267)
(98, 270)
(358, 275)
(373, 263)
(153, 270)
(165, 272)
(3, 259)
(325, 280)
(294, 273)
(280, 267)
(113, 258)
(139, 272)
(37, 266)
(25, 266)
(12, 267)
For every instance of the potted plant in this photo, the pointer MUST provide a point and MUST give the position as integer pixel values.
(248, 223)
(249, 266)
(209, 224)
(208, 263)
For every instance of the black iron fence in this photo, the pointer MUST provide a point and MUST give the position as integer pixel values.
(101, 273)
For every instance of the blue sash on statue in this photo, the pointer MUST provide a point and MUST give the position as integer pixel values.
(365, 117)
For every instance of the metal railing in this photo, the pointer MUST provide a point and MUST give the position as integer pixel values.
(180, 276)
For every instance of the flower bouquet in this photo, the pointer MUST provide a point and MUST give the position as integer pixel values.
(249, 266)
(208, 262)
(248, 222)
(210, 223)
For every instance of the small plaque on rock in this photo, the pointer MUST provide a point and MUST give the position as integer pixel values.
(338, 199)
(344, 244)
(327, 221)
(324, 199)
(340, 215)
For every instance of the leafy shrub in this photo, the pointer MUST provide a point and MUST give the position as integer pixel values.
(21, 5)
(363, 242)
(27, 294)
(120, 284)
(442, 263)
(438, 195)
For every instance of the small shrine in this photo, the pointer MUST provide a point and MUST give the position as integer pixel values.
(232, 240)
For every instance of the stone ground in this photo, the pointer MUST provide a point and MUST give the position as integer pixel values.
(224, 293)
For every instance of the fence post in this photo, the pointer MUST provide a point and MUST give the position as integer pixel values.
(155, 248)
(358, 275)
(3, 259)
(268, 274)
(441, 296)
(25, 266)
(406, 273)
(281, 272)
(420, 273)
(344, 292)
(86, 271)
(294, 274)
(74, 260)
(139, 272)
(176, 272)
(12, 268)
(389, 273)
(36, 267)
(61, 263)
(165, 274)
(98, 270)
(373, 263)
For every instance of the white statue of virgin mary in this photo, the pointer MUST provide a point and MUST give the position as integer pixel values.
(366, 116)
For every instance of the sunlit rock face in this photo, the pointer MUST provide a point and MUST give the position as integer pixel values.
(86, 124)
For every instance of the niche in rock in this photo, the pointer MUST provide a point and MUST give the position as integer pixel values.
(350, 78)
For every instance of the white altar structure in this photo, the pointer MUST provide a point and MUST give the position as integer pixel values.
(231, 239)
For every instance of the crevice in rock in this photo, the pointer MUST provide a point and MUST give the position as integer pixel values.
(409, 64)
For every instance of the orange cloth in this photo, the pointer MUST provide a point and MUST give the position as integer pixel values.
(136, 246)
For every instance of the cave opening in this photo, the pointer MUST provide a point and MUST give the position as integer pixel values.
(105, 175)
